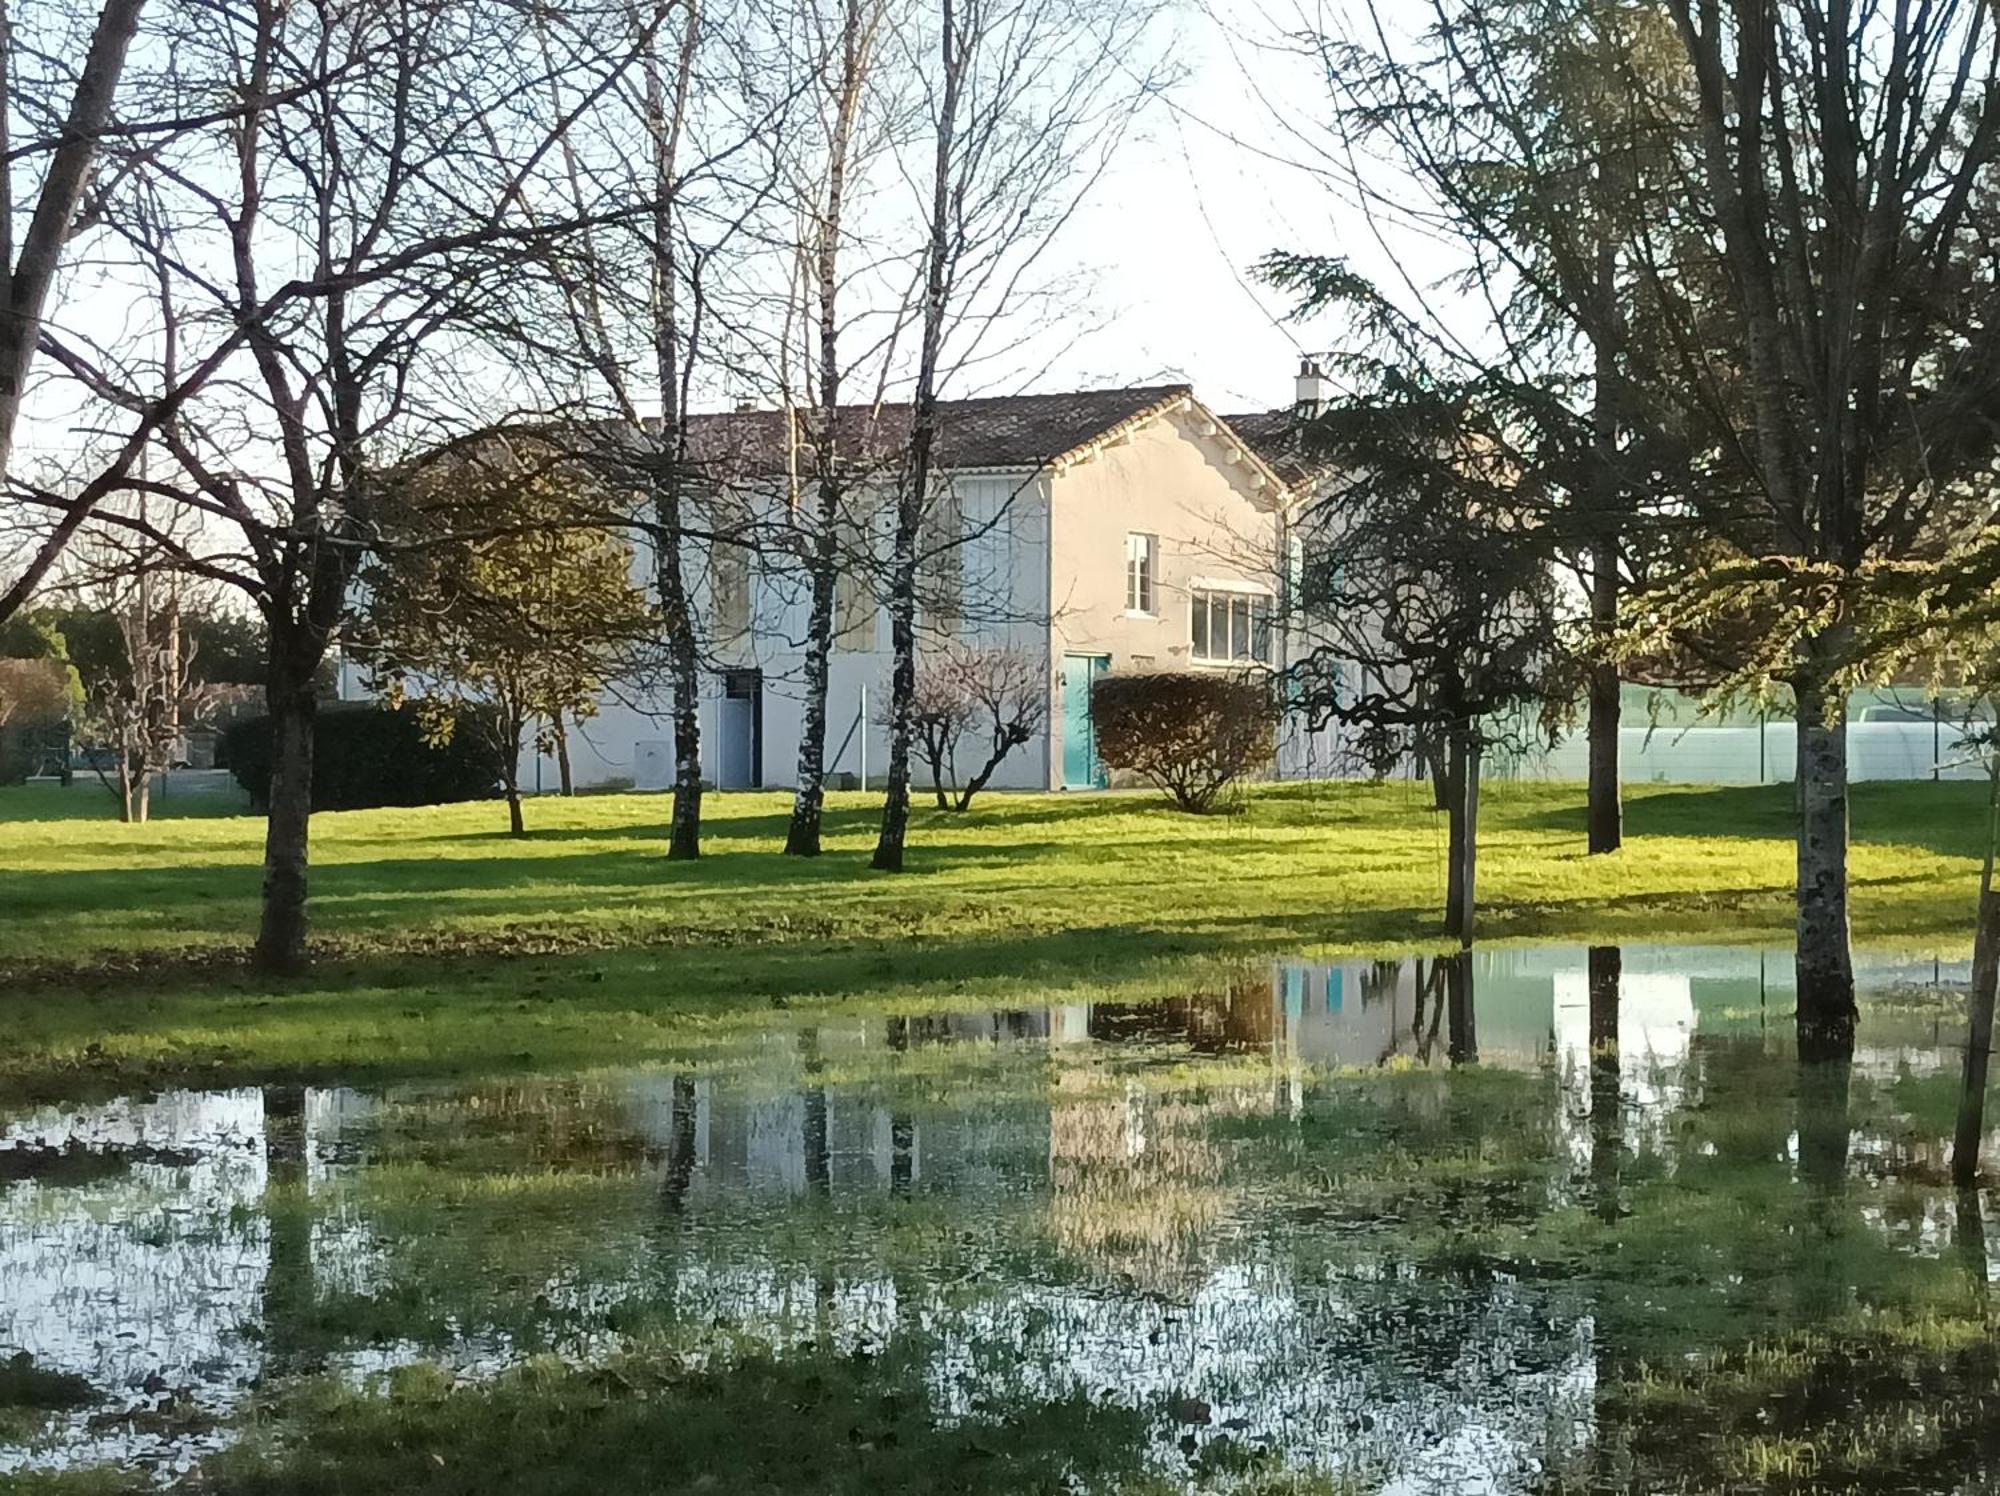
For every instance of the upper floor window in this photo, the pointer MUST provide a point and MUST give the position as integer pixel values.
(1231, 628)
(1139, 574)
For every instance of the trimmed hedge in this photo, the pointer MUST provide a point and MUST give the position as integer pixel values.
(1190, 732)
(365, 756)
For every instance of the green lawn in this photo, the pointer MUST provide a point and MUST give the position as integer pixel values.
(449, 945)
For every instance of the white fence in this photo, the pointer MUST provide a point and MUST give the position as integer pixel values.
(1763, 754)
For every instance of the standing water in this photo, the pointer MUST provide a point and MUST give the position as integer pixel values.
(1542, 1220)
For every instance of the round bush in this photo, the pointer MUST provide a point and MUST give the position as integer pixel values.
(1190, 732)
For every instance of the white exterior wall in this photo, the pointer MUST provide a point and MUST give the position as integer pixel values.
(1004, 570)
(1042, 571)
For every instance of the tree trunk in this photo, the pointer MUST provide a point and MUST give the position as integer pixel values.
(1979, 1031)
(809, 798)
(673, 357)
(923, 433)
(127, 811)
(1826, 1014)
(889, 840)
(802, 836)
(281, 937)
(1462, 784)
(565, 779)
(517, 824)
(684, 834)
(142, 793)
(1607, 811)
(1607, 806)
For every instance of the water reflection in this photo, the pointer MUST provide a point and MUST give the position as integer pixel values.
(1423, 1224)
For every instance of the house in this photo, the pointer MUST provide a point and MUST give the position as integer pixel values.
(1098, 531)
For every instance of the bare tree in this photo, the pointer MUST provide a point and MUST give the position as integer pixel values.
(849, 111)
(961, 693)
(1028, 99)
(144, 696)
(646, 302)
(382, 173)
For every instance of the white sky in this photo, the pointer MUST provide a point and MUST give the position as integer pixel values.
(1195, 201)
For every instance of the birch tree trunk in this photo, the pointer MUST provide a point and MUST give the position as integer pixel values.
(684, 833)
(1826, 1013)
(666, 115)
(809, 798)
(802, 836)
(915, 495)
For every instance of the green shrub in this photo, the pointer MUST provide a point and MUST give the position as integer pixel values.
(365, 756)
(1190, 732)
(20, 754)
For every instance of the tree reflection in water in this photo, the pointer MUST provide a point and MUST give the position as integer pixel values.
(1597, 1234)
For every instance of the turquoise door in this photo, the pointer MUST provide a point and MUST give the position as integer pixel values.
(1081, 770)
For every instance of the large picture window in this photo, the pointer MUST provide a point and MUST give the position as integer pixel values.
(1231, 628)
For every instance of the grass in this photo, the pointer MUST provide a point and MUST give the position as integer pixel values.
(449, 947)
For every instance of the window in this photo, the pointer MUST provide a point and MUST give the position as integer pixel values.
(1139, 574)
(1231, 628)
(853, 609)
(941, 544)
(729, 570)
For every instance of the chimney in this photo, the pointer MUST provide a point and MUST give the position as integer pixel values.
(1313, 390)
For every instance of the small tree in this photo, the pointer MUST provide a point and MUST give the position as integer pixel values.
(132, 637)
(142, 709)
(1429, 585)
(497, 592)
(999, 694)
(1191, 733)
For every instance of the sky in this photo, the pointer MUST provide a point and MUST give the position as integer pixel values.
(1210, 185)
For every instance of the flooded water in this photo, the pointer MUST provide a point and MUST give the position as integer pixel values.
(1548, 1220)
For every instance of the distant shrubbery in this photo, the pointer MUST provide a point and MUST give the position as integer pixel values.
(368, 756)
(1190, 732)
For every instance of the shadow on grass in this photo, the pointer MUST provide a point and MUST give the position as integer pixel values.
(1945, 816)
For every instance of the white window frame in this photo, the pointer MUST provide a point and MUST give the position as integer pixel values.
(1203, 597)
(1142, 574)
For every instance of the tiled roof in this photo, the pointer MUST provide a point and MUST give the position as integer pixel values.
(1275, 436)
(1001, 431)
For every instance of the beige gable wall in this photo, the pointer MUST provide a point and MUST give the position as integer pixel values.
(1169, 480)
